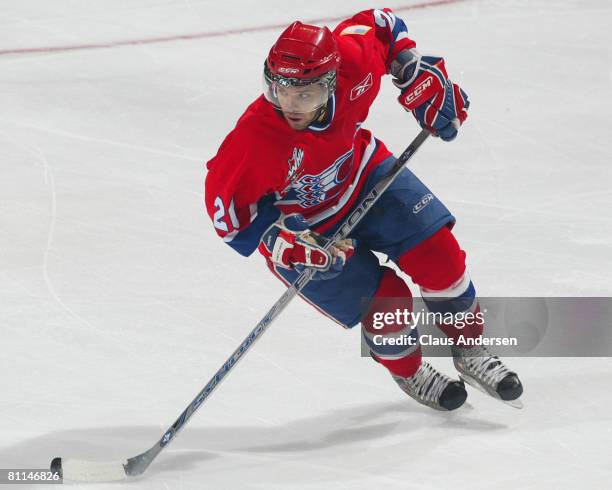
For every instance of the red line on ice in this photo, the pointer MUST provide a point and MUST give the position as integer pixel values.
(201, 35)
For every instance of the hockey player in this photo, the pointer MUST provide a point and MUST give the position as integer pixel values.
(299, 159)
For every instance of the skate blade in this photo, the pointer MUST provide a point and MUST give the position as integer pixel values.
(514, 403)
(475, 384)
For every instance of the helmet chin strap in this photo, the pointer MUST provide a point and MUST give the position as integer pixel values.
(321, 113)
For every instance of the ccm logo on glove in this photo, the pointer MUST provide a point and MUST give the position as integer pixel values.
(412, 96)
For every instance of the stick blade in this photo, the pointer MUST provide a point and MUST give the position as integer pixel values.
(89, 471)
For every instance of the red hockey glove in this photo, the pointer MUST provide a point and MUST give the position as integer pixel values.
(289, 244)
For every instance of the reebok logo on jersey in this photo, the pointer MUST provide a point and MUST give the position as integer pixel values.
(425, 200)
(362, 87)
(418, 90)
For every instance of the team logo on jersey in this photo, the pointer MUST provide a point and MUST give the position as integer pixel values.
(295, 162)
(312, 190)
(362, 87)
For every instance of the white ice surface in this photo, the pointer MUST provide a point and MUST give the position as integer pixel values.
(118, 301)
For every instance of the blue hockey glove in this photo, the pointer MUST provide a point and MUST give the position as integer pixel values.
(438, 104)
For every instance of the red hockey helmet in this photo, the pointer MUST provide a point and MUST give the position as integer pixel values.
(303, 56)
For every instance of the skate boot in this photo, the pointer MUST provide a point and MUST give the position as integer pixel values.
(432, 388)
(487, 373)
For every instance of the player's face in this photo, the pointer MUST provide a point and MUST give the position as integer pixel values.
(300, 104)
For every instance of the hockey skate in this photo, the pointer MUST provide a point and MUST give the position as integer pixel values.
(432, 388)
(487, 373)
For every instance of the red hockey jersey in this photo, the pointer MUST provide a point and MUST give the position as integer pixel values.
(264, 167)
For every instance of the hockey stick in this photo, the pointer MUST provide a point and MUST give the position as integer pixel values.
(80, 470)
